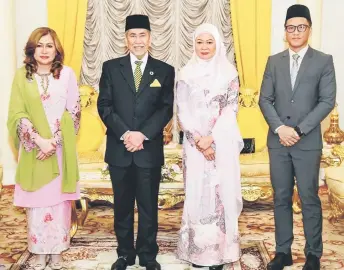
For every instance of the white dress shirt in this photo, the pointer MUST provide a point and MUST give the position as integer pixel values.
(302, 54)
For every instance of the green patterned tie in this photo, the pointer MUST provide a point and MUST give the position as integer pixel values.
(137, 74)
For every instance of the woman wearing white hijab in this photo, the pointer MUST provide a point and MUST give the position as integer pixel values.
(207, 97)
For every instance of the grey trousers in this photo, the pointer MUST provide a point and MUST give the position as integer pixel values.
(285, 164)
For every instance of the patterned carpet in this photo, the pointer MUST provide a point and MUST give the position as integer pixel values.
(96, 252)
(256, 226)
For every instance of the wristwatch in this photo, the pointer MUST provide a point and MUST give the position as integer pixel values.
(298, 131)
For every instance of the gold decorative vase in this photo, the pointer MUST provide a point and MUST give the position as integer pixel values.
(248, 98)
(334, 135)
(168, 136)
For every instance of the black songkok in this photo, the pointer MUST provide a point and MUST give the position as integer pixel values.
(137, 21)
(298, 11)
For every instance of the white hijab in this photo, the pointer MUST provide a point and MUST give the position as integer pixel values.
(214, 74)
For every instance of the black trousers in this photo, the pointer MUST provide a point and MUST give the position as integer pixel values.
(142, 184)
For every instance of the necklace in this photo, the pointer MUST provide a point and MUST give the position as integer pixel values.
(45, 85)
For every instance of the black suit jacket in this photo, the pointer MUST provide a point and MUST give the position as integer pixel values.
(148, 110)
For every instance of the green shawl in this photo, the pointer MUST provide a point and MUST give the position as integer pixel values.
(32, 174)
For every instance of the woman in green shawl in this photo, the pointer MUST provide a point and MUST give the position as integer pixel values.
(43, 119)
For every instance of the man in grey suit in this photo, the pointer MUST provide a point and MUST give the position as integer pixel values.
(298, 91)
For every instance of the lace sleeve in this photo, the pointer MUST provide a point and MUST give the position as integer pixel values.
(72, 107)
(76, 113)
(27, 134)
(58, 133)
(73, 101)
(233, 94)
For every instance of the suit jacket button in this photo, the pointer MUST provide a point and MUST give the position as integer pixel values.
(288, 117)
(292, 101)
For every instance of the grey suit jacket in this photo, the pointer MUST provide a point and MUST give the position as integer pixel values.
(312, 99)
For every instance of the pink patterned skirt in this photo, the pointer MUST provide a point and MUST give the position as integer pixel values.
(48, 228)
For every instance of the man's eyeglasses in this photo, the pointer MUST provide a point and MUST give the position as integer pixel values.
(300, 28)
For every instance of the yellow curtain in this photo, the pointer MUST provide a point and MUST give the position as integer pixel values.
(68, 19)
(251, 22)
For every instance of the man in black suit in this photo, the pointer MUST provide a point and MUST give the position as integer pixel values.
(136, 103)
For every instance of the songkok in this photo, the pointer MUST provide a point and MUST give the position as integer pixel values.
(298, 11)
(137, 21)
